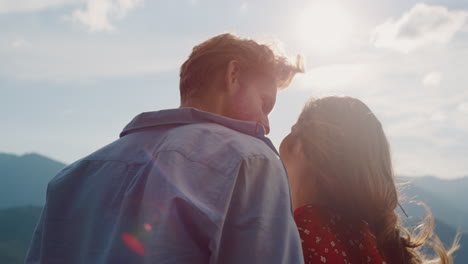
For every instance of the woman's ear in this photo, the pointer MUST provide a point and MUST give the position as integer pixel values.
(303, 160)
(297, 147)
(232, 76)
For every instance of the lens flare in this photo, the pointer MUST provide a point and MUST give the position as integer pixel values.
(133, 243)
(147, 227)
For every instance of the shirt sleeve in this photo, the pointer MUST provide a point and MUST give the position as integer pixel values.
(34, 251)
(259, 226)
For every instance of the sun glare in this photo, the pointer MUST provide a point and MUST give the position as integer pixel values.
(324, 26)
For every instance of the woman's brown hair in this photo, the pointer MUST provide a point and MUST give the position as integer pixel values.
(347, 146)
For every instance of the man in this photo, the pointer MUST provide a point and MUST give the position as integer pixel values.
(197, 184)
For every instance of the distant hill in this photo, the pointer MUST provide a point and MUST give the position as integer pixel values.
(447, 233)
(16, 229)
(453, 191)
(440, 203)
(24, 179)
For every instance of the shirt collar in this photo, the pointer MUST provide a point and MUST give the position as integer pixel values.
(189, 115)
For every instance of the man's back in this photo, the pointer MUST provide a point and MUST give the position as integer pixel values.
(179, 186)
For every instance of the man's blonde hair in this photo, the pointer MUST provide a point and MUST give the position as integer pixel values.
(214, 54)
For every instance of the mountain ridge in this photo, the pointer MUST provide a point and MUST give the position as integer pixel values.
(24, 178)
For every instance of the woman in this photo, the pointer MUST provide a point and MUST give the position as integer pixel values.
(343, 189)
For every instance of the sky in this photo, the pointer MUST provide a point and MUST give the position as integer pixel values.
(73, 73)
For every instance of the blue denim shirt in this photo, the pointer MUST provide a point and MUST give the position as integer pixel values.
(179, 186)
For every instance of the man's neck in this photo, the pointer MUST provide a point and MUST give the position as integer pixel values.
(212, 105)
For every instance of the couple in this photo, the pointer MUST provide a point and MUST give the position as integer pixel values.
(202, 183)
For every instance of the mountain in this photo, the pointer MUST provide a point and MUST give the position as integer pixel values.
(441, 203)
(447, 233)
(453, 190)
(24, 179)
(16, 229)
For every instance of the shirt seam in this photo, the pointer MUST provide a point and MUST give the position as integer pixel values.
(221, 228)
(192, 160)
(115, 160)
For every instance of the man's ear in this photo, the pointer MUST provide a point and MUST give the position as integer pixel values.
(232, 76)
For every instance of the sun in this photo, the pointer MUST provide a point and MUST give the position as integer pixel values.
(324, 26)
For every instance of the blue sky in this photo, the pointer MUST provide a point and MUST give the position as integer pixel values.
(73, 73)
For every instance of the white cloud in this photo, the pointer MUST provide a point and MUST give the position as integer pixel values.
(18, 43)
(16, 6)
(323, 26)
(421, 162)
(98, 13)
(244, 7)
(421, 119)
(194, 2)
(335, 76)
(463, 107)
(69, 58)
(438, 116)
(420, 26)
(432, 79)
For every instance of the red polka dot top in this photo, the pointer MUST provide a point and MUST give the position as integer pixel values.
(329, 238)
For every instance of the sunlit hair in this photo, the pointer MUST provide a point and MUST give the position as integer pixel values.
(347, 146)
(213, 55)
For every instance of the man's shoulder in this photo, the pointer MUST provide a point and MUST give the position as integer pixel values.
(209, 143)
(214, 142)
(220, 137)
